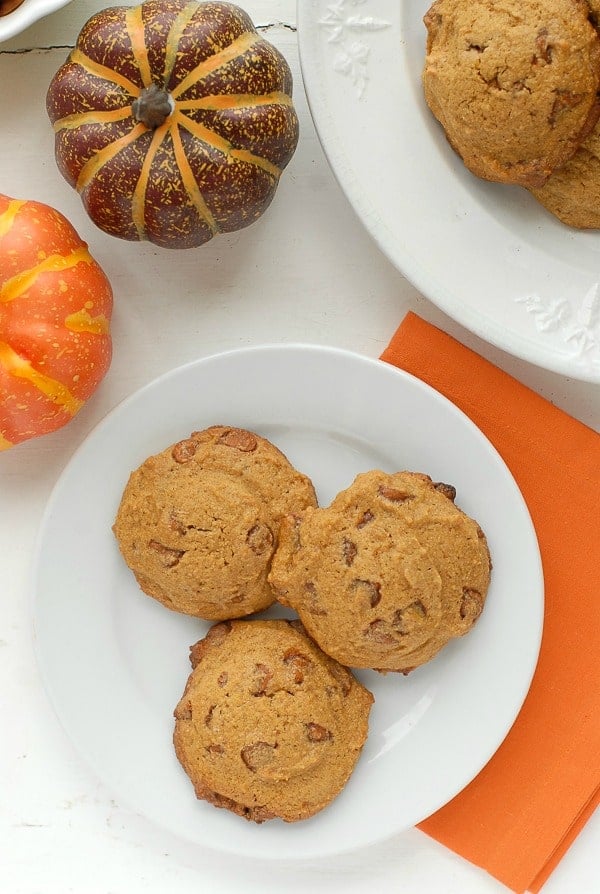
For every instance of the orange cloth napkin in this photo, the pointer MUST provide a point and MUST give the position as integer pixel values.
(521, 813)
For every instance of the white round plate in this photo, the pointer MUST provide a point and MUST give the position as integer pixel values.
(487, 254)
(115, 662)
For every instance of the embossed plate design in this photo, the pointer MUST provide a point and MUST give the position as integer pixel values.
(115, 661)
(487, 254)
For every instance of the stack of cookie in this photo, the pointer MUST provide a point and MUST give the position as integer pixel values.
(516, 88)
(219, 526)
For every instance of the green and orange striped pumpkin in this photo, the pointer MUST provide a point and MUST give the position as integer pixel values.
(173, 120)
(55, 309)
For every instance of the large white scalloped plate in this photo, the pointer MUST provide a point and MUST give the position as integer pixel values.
(487, 254)
(115, 661)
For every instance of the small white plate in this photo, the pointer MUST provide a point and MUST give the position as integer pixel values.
(487, 254)
(26, 14)
(115, 661)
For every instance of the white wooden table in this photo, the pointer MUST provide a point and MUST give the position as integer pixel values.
(306, 272)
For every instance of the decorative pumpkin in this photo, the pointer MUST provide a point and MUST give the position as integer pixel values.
(173, 120)
(55, 308)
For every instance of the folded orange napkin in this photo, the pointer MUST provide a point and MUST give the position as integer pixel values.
(521, 813)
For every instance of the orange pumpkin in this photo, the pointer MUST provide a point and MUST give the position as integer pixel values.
(55, 308)
(173, 120)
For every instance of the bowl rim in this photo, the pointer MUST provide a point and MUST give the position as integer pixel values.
(29, 12)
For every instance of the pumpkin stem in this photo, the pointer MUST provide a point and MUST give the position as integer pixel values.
(152, 107)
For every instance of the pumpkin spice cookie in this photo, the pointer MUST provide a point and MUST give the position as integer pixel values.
(514, 85)
(268, 726)
(198, 523)
(572, 193)
(387, 574)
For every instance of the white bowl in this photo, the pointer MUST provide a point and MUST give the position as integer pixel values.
(26, 14)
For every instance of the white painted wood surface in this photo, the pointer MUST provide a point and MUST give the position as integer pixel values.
(306, 272)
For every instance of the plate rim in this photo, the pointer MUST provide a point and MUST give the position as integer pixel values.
(120, 407)
(410, 267)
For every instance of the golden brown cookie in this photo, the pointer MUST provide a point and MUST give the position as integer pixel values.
(572, 193)
(198, 523)
(594, 6)
(514, 84)
(268, 726)
(387, 574)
